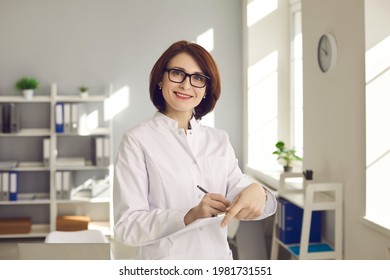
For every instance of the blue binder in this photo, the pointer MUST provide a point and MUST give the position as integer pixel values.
(59, 117)
(290, 226)
(13, 186)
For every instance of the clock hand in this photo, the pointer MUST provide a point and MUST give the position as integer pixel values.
(324, 51)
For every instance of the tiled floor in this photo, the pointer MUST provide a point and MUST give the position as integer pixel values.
(8, 249)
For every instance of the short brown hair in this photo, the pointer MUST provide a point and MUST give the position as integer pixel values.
(207, 65)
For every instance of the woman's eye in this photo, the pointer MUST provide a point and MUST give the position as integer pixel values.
(177, 73)
(199, 78)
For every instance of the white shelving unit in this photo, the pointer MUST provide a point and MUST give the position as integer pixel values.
(36, 181)
(311, 196)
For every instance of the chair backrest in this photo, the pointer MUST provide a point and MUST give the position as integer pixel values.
(64, 251)
(82, 236)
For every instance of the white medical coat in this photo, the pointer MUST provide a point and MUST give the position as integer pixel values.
(157, 169)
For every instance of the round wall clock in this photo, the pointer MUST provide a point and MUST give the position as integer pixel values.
(327, 52)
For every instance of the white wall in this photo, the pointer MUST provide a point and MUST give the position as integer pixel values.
(95, 42)
(334, 116)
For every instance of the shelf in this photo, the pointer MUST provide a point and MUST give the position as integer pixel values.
(25, 166)
(81, 168)
(97, 131)
(322, 201)
(26, 202)
(79, 99)
(37, 179)
(28, 132)
(31, 166)
(21, 99)
(29, 198)
(310, 196)
(316, 250)
(84, 200)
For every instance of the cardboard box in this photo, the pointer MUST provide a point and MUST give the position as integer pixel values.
(15, 225)
(72, 223)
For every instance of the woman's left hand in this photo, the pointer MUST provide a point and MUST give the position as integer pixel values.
(248, 204)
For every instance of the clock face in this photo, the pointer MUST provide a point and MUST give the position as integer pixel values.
(324, 53)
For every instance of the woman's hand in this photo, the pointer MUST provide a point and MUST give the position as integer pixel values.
(211, 204)
(248, 204)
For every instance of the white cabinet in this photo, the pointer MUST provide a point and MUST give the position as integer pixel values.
(310, 196)
(71, 152)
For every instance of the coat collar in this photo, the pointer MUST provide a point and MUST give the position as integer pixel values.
(171, 123)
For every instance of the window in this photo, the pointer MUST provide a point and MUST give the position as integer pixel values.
(296, 79)
(377, 70)
(377, 133)
(273, 110)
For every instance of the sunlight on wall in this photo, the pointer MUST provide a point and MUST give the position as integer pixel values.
(88, 122)
(377, 59)
(378, 132)
(262, 111)
(206, 40)
(93, 120)
(297, 83)
(258, 9)
(116, 103)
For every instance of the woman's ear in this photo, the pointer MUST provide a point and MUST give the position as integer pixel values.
(160, 84)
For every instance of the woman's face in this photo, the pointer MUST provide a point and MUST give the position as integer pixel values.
(182, 97)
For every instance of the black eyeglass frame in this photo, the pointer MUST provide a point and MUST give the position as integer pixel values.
(187, 75)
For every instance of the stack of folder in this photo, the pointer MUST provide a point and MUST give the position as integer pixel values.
(9, 118)
(102, 148)
(9, 186)
(66, 117)
(63, 184)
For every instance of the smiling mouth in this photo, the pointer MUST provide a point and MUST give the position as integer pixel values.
(182, 95)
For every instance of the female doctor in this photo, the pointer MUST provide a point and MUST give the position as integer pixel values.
(158, 205)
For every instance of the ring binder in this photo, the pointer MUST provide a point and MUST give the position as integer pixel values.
(59, 117)
(13, 186)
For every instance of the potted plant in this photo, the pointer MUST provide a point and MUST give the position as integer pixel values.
(27, 86)
(83, 91)
(285, 156)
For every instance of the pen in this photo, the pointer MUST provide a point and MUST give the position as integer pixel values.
(202, 189)
(214, 215)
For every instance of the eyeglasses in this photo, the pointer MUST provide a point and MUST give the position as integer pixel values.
(178, 76)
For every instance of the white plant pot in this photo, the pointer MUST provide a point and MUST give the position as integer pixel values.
(28, 93)
(84, 94)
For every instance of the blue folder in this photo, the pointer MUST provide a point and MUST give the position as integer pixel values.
(59, 117)
(13, 186)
